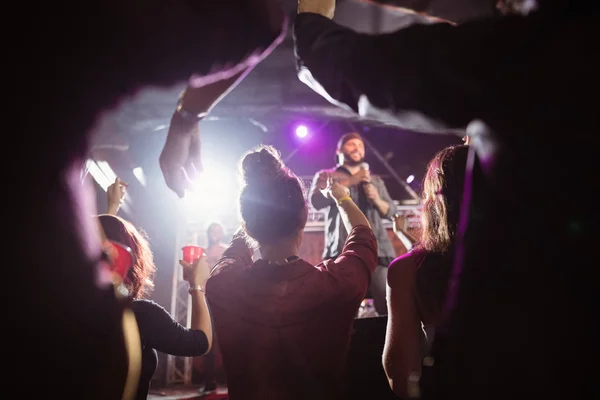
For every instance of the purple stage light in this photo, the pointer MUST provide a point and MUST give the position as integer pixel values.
(301, 131)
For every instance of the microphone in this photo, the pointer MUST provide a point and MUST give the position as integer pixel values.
(364, 166)
(363, 201)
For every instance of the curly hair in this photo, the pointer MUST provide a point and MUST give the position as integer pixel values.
(140, 278)
(442, 197)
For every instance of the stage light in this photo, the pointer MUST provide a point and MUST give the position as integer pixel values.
(101, 172)
(139, 174)
(301, 131)
(410, 179)
(213, 194)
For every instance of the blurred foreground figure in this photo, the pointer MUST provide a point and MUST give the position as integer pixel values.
(521, 321)
(80, 60)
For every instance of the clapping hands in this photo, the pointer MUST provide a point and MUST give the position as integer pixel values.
(335, 190)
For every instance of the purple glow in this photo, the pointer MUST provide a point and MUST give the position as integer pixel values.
(301, 131)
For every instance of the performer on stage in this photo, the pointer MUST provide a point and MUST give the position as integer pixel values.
(371, 195)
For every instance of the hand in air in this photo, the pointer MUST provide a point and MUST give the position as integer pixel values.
(324, 7)
(115, 194)
(335, 190)
(180, 159)
(196, 273)
(321, 180)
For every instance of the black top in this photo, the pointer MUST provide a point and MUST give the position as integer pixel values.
(160, 332)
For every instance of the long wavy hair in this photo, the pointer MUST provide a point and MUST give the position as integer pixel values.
(442, 197)
(140, 280)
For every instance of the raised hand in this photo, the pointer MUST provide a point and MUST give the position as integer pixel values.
(196, 273)
(180, 159)
(324, 7)
(322, 177)
(115, 194)
(335, 190)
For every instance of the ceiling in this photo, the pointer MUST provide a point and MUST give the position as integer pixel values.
(272, 90)
(262, 107)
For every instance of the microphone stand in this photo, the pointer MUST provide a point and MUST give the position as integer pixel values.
(401, 181)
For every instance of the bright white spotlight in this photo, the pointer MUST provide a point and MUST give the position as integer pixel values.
(213, 194)
(101, 172)
(302, 131)
(410, 178)
(139, 174)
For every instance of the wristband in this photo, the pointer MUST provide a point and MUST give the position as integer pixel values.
(195, 288)
(188, 116)
(340, 201)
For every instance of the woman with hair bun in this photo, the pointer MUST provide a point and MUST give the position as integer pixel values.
(283, 324)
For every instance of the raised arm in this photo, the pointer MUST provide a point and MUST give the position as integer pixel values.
(351, 215)
(417, 77)
(353, 268)
(161, 332)
(379, 196)
(114, 196)
(315, 195)
(197, 274)
(251, 29)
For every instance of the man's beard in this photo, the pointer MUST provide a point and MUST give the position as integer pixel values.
(348, 160)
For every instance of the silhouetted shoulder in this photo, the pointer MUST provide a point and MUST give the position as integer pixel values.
(144, 305)
(405, 266)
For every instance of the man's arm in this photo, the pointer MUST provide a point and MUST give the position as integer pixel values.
(386, 206)
(416, 77)
(448, 10)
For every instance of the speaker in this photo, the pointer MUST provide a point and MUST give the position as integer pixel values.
(365, 378)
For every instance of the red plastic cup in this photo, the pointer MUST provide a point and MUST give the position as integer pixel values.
(121, 257)
(192, 253)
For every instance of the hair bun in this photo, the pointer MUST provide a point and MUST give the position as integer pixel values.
(261, 166)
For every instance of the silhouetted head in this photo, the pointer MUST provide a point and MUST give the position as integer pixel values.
(215, 233)
(442, 197)
(272, 203)
(141, 274)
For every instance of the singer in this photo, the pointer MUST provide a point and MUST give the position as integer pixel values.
(371, 196)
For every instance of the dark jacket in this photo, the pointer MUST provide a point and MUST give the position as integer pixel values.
(335, 232)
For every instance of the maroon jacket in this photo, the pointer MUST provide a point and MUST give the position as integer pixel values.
(284, 330)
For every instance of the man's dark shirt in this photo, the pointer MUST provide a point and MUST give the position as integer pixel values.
(335, 232)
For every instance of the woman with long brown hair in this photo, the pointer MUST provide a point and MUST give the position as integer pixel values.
(418, 281)
(157, 329)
